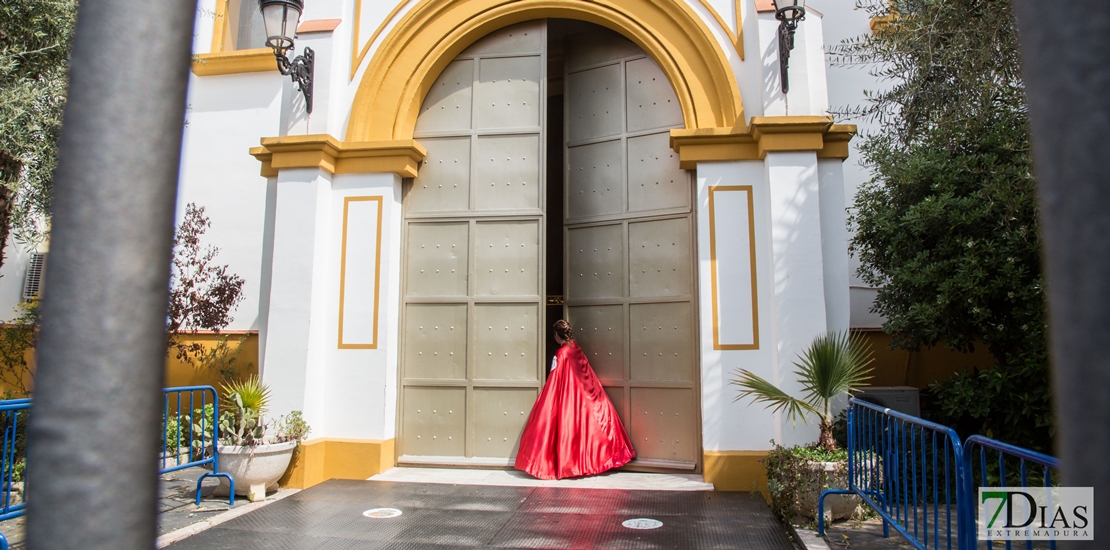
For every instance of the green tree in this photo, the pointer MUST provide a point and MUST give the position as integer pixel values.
(35, 38)
(947, 226)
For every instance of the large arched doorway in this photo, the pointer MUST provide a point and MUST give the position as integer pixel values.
(549, 179)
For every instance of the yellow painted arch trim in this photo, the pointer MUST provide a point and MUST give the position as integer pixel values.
(431, 34)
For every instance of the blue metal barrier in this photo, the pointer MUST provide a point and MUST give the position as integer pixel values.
(190, 436)
(910, 471)
(1012, 465)
(13, 420)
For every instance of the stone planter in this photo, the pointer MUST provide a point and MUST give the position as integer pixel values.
(255, 469)
(836, 506)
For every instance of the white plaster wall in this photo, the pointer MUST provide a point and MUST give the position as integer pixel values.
(226, 116)
(361, 384)
(17, 256)
(846, 87)
(808, 95)
(834, 243)
(296, 325)
(728, 424)
(799, 287)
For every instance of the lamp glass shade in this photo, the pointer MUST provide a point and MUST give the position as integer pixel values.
(280, 19)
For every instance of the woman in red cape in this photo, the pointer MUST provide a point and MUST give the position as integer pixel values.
(574, 429)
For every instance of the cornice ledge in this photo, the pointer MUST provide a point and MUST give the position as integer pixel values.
(257, 60)
(401, 157)
(764, 135)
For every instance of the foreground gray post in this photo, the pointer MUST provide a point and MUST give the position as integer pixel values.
(95, 420)
(1068, 81)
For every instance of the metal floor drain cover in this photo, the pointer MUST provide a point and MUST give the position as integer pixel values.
(382, 513)
(642, 523)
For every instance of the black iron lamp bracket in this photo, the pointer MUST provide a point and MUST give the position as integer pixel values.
(788, 17)
(301, 69)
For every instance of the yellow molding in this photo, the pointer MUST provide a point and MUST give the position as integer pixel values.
(433, 32)
(736, 471)
(766, 134)
(737, 37)
(255, 60)
(401, 157)
(219, 26)
(836, 141)
(356, 55)
(319, 460)
(880, 24)
(713, 266)
(377, 271)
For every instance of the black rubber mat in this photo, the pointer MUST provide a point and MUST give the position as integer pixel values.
(440, 516)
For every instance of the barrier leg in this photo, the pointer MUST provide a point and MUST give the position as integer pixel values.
(3, 542)
(231, 493)
(821, 507)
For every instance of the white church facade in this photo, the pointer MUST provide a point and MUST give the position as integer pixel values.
(473, 170)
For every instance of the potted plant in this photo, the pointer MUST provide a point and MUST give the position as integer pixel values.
(834, 364)
(253, 458)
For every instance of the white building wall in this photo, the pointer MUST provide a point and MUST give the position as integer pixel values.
(797, 258)
(361, 382)
(728, 424)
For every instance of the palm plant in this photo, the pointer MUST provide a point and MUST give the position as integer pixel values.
(834, 363)
(250, 394)
(241, 421)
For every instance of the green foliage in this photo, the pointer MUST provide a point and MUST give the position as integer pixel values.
(835, 363)
(242, 427)
(202, 294)
(292, 427)
(947, 226)
(794, 483)
(250, 394)
(16, 339)
(1011, 403)
(35, 39)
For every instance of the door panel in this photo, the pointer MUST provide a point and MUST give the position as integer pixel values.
(664, 425)
(659, 259)
(509, 92)
(437, 259)
(434, 421)
(630, 263)
(662, 340)
(435, 341)
(594, 103)
(655, 182)
(444, 177)
(600, 329)
(474, 256)
(507, 259)
(651, 100)
(506, 341)
(595, 262)
(508, 174)
(500, 415)
(592, 171)
(447, 104)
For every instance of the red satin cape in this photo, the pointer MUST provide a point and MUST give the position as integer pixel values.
(574, 429)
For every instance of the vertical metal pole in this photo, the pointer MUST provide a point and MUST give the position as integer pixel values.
(1068, 82)
(94, 430)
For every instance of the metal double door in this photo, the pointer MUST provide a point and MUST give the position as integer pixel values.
(473, 323)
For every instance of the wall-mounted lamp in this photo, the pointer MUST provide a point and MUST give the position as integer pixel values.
(280, 18)
(789, 13)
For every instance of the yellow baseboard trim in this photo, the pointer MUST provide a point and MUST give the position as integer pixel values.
(322, 459)
(736, 471)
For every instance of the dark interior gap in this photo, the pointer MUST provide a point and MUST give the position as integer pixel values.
(555, 176)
